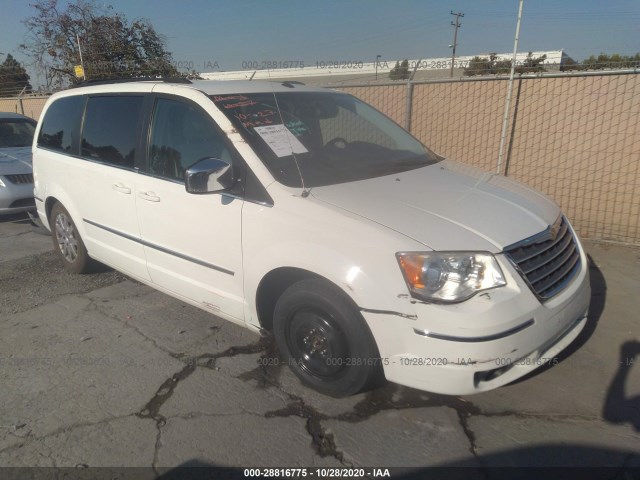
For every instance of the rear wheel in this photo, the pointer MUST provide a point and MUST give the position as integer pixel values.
(67, 242)
(324, 339)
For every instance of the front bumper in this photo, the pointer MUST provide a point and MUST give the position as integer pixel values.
(485, 342)
(16, 198)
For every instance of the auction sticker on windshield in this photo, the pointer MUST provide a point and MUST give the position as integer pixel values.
(280, 140)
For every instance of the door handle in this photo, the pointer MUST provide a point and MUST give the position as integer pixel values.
(119, 187)
(149, 196)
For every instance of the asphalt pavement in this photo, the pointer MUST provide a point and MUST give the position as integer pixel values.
(101, 371)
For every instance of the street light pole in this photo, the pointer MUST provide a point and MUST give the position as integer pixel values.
(457, 25)
(377, 57)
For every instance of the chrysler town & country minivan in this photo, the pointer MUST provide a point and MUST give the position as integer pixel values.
(306, 212)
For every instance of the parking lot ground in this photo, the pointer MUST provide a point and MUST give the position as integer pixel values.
(100, 371)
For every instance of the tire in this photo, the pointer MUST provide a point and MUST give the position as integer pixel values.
(323, 338)
(67, 242)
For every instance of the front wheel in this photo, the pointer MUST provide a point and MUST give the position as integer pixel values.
(324, 339)
(67, 242)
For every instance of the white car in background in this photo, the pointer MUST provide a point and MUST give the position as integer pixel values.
(16, 175)
(306, 212)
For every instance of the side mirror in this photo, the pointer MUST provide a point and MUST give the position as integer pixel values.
(209, 175)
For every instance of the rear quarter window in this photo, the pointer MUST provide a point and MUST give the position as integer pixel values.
(111, 128)
(60, 125)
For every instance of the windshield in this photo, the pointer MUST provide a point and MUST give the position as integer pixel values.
(16, 132)
(325, 137)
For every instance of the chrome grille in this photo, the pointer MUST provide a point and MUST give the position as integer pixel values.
(20, 178)
(547, 262)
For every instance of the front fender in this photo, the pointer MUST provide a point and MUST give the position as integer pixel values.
(357, 257)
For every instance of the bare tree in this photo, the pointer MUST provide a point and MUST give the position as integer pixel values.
(112, 46)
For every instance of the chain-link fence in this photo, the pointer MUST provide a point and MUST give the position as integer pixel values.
(575, 137)
(30, 105)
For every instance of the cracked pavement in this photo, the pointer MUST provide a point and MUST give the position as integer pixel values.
(98, 370)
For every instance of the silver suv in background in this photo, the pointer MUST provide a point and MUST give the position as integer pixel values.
(16, 174)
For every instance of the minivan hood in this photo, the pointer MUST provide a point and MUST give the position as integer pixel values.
(15, 160)
(447, 206)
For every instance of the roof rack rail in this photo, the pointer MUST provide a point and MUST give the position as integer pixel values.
(291, 83)
(106, 81)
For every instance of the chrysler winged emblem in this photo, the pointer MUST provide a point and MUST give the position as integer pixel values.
(550, 234)
(555, 228)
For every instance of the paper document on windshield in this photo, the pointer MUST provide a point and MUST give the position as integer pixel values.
(281, 140)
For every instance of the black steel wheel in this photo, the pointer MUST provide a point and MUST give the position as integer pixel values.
(324, 339)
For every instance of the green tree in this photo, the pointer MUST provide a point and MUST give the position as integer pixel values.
(478, 66)
(487, 66)
(531, 64)
(404, 69)
(613, 61)
(393, 73)
(112, 46)
(13, 77)
(400, 71)
(492, 66)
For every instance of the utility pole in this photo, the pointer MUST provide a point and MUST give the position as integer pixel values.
(377, 58)
(507, 104)
(457, 25)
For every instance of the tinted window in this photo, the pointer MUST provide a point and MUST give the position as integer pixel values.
(110, 132)
(182, 134)
(60, 124)
(16, 133)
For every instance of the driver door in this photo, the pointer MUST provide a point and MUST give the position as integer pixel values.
(192, 243)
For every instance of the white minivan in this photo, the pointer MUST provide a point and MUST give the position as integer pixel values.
(308, 213)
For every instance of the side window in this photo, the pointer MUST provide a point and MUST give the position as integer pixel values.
(111, 126)
(182, 134)
(60, 125)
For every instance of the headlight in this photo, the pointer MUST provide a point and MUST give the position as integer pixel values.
(449, 276)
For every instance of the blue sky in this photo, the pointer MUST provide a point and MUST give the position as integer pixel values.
(228, 33)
